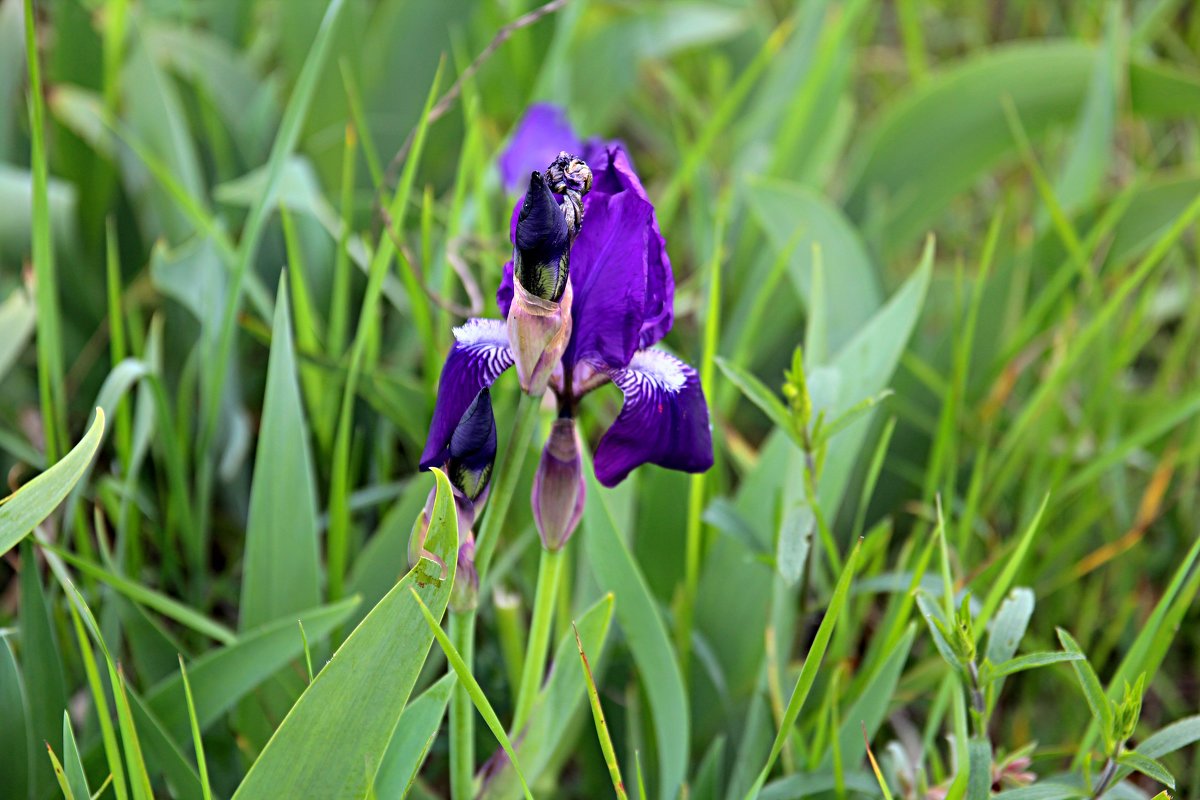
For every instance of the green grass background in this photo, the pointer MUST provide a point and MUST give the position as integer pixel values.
(245, 229)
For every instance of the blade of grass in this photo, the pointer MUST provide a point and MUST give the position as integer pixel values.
(812, 663)
(49, 333)
(338, 536)
(197, 742)
(606, 745)
(477, 696)
(285, 143)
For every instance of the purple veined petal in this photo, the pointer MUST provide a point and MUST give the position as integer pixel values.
(541, 135)
(664, 420)
(608, 275)
(480, 353)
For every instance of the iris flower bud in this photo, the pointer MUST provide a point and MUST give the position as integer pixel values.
(558, 486)
(469, 467)
(539, 319)
(473, 448)
(542, 251)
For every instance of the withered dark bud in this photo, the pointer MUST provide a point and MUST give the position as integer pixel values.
(542, 255)
(473, 447)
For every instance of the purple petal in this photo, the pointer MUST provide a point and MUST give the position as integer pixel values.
(614, 176)
(664, 420)
(608, 275)
(480, 353)
(541, 134)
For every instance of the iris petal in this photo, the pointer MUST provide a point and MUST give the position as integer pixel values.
(614, 177)
(541, 135)
(608, 275)
(479, 355)
(664, 420)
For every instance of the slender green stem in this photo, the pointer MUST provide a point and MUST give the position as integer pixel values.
(549, 572)
(462, 715)
(508, 471)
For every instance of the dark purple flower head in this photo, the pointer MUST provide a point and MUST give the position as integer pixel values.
(473, 447)
(617, 304)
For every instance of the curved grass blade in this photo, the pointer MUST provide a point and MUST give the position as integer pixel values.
(473, 689)
(812, 663)
(23, 510)
(606, 745)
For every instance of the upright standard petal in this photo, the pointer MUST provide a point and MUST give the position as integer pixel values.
(664, 420)
(608, 276)
(541, 134)
(614, 173)
(480, 353)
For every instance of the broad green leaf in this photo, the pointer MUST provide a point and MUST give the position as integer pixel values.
(415, 732)
(281, 571)
(706, 784)
(71, 761)
(870, 709)
(154, 113)
(808, 784)
(16, 320)
(644, 631)
(15, 754)
(1028, 661)
(1009, 624)
(222, 676)
(1147, 766)
(560, 700)
(41, 664)
(851, 284)
(1045, 790)
(335, 737)
(16, 193)
(33, 502)
(1093, 692)
(1092, 140)
(938, 139)
(864, 366)
(795, 535)
(979, 783)
(1177, 735)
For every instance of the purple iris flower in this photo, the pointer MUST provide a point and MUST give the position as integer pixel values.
(620, 303)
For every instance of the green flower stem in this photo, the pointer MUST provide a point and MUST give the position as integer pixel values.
(508, 471)
(549, 574)
(462, 714)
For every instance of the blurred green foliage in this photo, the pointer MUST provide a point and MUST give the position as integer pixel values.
(245, 229)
